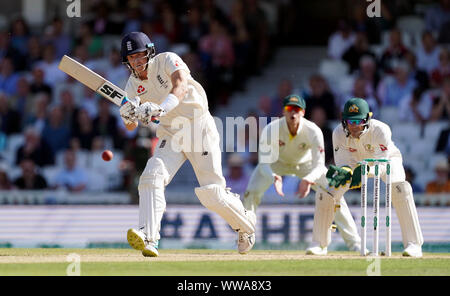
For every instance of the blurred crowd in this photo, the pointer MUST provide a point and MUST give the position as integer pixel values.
(59, 119)
(64, 126)
(401, 69)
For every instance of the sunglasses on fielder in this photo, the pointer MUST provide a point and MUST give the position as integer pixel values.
(355, 121)
(290, 108)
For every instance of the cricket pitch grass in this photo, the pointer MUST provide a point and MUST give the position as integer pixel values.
(128, 262)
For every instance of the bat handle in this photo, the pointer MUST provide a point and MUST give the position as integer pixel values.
(124, 101)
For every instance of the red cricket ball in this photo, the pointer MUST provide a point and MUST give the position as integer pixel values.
(107, 155)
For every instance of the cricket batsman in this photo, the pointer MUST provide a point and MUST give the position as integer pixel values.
(300, 146)
(161, 89)
(359, 137)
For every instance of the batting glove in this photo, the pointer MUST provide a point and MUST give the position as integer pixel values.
(148, 112)
(128, 111)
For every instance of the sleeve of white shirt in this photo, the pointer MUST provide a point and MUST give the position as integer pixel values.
(131, 91)
(267, 147)
(318, 155)
(341, 155)
(173, 63)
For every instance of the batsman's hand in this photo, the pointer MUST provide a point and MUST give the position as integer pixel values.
(148, 111)
(338, 176)
(278, 184)
(128, 111)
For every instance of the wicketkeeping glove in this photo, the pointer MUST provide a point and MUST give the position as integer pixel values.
(356, 177)
(338, 176)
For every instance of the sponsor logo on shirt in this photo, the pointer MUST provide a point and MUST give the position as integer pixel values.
(141, 90)
(369, 148)
(321, 150)
(302, 146)
(352, 149)
(161, 81)
(383, 148)
(336, 149)
(281, 143)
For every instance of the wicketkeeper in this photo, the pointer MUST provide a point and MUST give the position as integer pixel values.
(164, 90)
(300, 146)
(359, 137)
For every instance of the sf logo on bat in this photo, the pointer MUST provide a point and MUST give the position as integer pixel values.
(110, 92)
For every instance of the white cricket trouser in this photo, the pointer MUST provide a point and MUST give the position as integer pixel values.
(168, 157)
(259, 183)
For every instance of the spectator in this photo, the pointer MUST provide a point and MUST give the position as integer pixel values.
(410, 176)
(367, 25)
(49, 64)
(34, 52)
(415, 107)
(69, 109)
(160, 40)
(443, 142)
(441, 184)
(320, 95)
(420, 76)
(10, 121)
(30, 179)
(319, 117)
(71, 177)
(35, 149)
(241, 42)
(216, 50)
(133, 18)
(259, 32)
(105, 124)
(22, 101)
(392, 89)
(5, 183)
(341, 40)
(368, 71)
(38, 83)
(395, 50)
(193, 28)
(441, 103)
(116, 72)
(443, 70)
(19, 36)
(55, 35)
(285, 88)
(428, 53)
(92, 43)
(357, 50)
(38, 113)
(360, 91)
(89, 102)
(84, 132)
(237, 179)
(55, 133)
(8, 78)
(436, 16)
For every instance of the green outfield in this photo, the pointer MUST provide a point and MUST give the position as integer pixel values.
(14, 261)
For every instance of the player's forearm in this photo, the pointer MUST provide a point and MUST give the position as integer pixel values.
(131, 126)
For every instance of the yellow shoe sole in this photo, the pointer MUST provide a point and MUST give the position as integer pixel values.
(135, 240)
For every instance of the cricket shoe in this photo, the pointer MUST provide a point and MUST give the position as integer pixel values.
(316, 250)
(138, 241)
(246, 241)
(150, 250)
(412, 250)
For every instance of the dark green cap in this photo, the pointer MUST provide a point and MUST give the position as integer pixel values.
(355, 108)
(294, 100)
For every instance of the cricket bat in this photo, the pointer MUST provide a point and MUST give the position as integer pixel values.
(94, 81)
